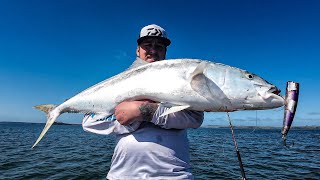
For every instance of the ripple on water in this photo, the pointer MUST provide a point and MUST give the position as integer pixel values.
(67, 152)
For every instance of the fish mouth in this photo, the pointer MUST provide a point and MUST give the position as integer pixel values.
(270, 94)
(274, 90)
(267, 91)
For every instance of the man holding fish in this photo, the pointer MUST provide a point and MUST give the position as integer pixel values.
(152, 138)
(149, 146)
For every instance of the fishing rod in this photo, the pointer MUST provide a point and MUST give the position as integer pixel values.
(243, 174)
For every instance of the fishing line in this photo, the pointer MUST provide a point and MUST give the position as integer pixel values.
(223, 149)
(284, 141)
(243, 174)
(256, 118)
(256, 122)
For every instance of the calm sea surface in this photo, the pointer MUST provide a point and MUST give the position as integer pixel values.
(67, 152)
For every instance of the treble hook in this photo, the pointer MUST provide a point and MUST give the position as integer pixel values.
(284, 137)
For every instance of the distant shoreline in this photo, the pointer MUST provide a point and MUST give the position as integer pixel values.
(261, 127)
(206, 126)
(55, 123)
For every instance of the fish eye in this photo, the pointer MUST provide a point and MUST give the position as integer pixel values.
(249, 76)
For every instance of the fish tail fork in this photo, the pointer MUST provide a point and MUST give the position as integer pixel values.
(51, 117)
(46, 108)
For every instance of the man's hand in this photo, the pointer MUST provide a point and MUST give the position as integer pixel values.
(130, 111)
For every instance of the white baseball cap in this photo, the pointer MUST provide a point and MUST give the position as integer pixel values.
(153, 30)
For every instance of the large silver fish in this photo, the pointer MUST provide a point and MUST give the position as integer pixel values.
(179, 84)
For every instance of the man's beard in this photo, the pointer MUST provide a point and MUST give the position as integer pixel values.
(154, 55)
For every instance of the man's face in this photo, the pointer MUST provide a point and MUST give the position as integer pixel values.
(151, 50)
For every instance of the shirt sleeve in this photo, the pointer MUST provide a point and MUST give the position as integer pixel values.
(178, 120)
(105, 125)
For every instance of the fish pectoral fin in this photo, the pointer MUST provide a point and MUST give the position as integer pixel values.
(198, 82)
(174, 109)
(208, 89)
(199, 70)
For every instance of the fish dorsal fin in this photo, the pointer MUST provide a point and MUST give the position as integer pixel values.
(207, 88)
(174, 109)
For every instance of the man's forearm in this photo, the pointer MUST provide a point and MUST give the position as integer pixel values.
(147, 110)
(129, 111)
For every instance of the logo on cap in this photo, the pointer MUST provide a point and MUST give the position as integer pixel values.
(154, 32)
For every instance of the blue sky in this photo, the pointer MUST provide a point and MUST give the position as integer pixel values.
(51, 50)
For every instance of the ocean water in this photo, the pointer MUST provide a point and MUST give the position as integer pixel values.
(67, 152)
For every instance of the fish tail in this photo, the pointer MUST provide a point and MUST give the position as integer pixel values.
(51, 117)
(45, 107)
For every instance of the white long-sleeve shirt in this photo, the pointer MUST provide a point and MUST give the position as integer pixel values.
(158, 149)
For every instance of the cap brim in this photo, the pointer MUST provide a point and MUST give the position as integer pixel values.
(166, 41)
